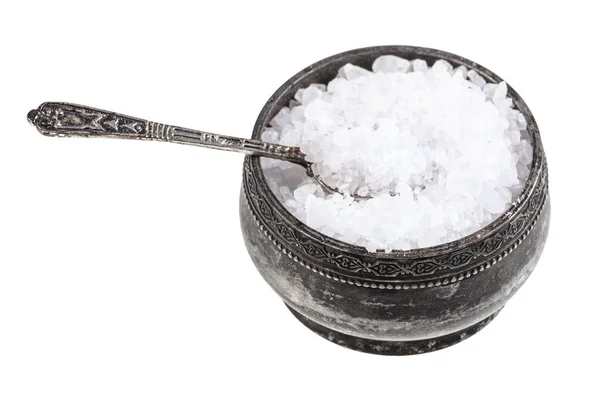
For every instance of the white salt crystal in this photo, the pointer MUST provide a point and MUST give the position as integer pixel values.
(521, 122)
(491, 200)
(461, 71)
(282, 118)
(298, 95)
(390, 64)
(476, 78)
(489, 89)
(514, 136)
(285, 192)
(439, 151)
(442, 65)
(363, 191)
(270, 135)
(321, 86)
(505, 193)
(311, 93)
(290, 136)
(499, 93)
(296, 115)
(301, 194)
(419, 65)
(525, 152)
(404, 190)
(352, 72)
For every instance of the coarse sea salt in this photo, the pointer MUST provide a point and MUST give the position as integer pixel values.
(440, 152)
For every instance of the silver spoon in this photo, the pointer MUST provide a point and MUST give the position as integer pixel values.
(66, 119)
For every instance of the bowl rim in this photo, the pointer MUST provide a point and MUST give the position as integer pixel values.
(534, 175)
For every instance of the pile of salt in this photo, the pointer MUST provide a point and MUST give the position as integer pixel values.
(441, 152)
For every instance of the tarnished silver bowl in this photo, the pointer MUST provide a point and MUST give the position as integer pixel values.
(403, 302)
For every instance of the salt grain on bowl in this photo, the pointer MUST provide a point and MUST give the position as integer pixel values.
(439, 152)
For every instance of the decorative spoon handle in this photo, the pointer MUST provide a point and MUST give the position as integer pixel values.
(65, 119)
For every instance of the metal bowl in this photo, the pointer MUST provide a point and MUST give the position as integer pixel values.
(403, 302)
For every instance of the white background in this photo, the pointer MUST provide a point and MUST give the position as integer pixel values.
(123, 274)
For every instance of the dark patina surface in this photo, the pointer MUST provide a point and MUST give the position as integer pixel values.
(400, 302)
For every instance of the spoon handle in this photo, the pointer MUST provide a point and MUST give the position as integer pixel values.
(65, 119)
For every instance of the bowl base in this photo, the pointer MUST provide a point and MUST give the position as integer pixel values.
(392, 348)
